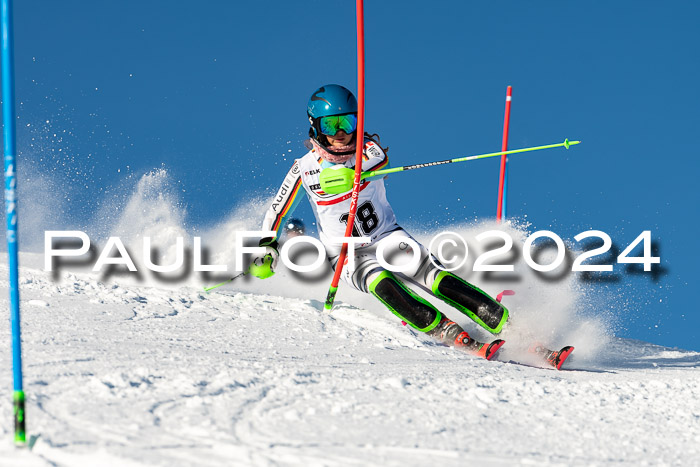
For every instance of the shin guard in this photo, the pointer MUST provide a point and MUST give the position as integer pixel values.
(404, 303)
(471, 301)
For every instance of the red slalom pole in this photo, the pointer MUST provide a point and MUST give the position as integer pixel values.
(504, 157)
(360, 139)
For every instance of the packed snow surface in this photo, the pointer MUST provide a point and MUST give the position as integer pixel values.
(127, 374)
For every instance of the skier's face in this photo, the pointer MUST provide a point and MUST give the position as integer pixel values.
(339, 139)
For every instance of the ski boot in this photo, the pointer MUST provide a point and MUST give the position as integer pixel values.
(452, 334)
(555, 358)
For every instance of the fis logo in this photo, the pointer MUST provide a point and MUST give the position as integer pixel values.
(373, 150)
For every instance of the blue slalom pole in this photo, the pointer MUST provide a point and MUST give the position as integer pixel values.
(8, 119)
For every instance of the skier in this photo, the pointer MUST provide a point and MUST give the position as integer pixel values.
(332, 112)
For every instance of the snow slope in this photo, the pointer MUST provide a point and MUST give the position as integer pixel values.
(121, 373)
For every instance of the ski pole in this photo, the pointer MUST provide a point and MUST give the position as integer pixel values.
(337, 181)
(207, 289)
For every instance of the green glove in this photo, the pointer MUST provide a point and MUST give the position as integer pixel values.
(264, 265)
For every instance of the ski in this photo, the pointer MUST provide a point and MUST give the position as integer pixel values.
(555, 358)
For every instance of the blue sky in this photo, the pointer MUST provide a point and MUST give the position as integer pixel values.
(216, 92)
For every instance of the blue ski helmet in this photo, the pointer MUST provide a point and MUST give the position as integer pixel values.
(331, 99)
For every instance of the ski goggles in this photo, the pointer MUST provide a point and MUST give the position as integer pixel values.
(331, 125)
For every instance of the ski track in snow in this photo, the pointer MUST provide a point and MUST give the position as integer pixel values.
(126, 375)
